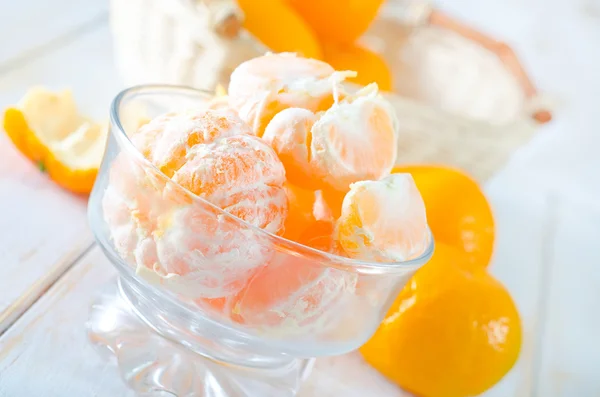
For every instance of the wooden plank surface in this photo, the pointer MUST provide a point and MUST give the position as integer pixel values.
(50, 341)
(47, 354)
(44, 228)
(569, 347)
(32, 27)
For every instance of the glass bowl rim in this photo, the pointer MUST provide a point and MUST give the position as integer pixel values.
(339, 261)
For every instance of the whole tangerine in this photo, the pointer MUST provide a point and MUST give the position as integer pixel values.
(454, 331)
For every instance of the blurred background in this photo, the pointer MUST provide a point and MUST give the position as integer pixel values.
(522, 121)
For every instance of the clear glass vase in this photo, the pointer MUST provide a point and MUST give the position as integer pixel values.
(207, 304)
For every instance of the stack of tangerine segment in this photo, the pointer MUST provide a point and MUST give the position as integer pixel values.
(287, 151)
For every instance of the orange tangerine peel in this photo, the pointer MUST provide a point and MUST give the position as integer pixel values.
(48, 129)
(383, 221)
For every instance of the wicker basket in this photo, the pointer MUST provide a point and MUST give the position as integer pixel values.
(458, 103)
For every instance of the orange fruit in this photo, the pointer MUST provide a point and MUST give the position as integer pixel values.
(383, 221)
(47, 128)
(262, 87)
(453, 331)
(341, 21)
(370, 66)
(353, 140)
(457, 210)
(279, 27)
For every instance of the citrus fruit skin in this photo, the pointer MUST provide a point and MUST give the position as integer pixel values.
(453, 331)
(370, 66)
(458, 211)
(383, 221)
(47, 128)
(279, 27)
(341, 21)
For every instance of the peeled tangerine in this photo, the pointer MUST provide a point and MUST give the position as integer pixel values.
(383, 221)
(186, 244)
(292, 293)
(262, 87)
(354, 140)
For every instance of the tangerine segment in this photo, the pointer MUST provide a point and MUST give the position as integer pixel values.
(279, 27)
(289, 134)
(457, 210)
(319, 235)
(354, 140)
(240, 174)
(370, 66)
(383, 221)
(453, 331)
(291, 293)
(304, 208)
(167, 139)
(128, 207)
(263, 86)
(341, 21)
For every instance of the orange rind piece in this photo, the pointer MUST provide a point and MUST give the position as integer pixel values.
(383, 221)
(47, 128)
(356, 139)
(264, 86)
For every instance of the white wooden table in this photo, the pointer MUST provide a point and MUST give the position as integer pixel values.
(547, 203)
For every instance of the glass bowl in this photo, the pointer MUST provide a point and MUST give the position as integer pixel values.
(203, 295)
